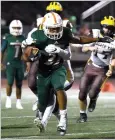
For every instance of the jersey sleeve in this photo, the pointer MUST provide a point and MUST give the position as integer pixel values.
(69, 34)
(30, 33)
(4, 43)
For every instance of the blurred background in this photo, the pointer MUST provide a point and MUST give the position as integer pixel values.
(76, 11)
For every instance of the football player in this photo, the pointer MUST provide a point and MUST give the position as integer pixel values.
(14, 67)
(52, 43)
(98, 68)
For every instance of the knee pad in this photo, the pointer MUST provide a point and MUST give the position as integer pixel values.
(68, 85)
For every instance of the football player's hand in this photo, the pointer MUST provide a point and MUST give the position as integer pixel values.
(109, 73)
(34, 54)
(27, 42)
(52, 49)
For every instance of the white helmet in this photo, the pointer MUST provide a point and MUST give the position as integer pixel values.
(39, 21)
(53, 26)
(16, 27)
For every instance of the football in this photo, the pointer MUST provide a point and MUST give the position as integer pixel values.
(28, 51)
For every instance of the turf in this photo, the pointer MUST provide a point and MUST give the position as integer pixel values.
(17, 124)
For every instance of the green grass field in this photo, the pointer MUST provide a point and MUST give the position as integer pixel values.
(18, 124)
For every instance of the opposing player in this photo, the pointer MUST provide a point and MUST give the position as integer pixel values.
(97, 67)
(32, 67)
(14, 67)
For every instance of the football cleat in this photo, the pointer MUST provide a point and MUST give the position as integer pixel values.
(8, 103)
(92, 105)
(83, 118)
(39, 125)
(19, 105)
(61, 128)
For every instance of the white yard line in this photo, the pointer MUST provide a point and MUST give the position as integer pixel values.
(75, 134)
(68, 134)
(18, 117)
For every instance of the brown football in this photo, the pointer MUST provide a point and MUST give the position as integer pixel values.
(27, 53)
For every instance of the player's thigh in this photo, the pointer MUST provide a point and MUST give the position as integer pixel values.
(19, 76)
(98, 81)
(10, 73)
(43, 87)
(32, 75)
(58, 78)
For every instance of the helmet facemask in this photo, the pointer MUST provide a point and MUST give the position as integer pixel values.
(54, 33)
(107, 30)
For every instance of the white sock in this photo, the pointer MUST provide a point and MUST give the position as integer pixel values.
(18, 100)
(48, 112)
(82, 111)
(63, 113)
(8, 97)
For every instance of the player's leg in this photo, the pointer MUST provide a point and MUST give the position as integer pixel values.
(19, 76)
(67, 85)
(32, 81)
(32, 77)
(49, 109)
(96, 88)
(10, 72)
(84, 87)
(57, 81)
(43, 90)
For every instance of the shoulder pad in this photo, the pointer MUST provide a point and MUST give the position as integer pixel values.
(30, 33)
(5, 36)
(65, 22)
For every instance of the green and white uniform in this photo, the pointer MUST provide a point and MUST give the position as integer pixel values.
(14, 64)
(51, 72)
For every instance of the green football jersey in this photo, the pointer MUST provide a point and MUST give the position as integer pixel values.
(12, 44)
(49, 62)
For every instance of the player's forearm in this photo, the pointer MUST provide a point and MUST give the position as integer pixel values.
(82, 40)
(81, 45)
(88, 40)
(65, 54)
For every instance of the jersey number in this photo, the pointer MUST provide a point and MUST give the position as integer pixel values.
(17, 50)
(50, 61)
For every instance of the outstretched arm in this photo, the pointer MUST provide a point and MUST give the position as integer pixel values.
(82, 40)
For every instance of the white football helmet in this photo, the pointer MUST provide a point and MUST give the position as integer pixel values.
(16, 28)
(53, 26)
